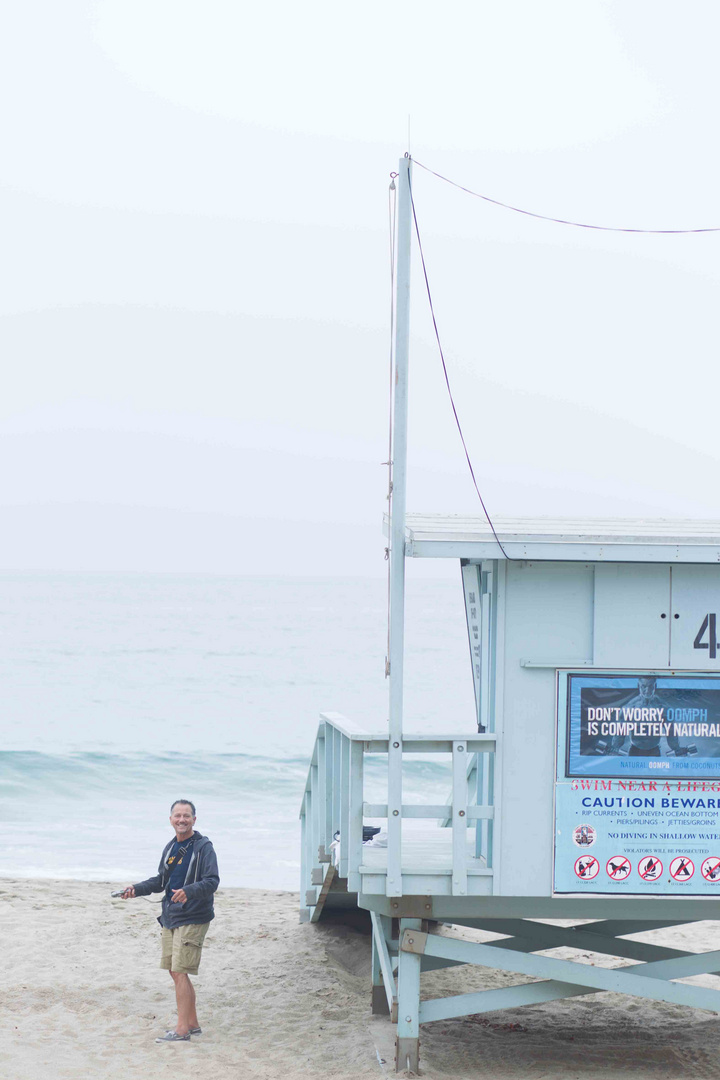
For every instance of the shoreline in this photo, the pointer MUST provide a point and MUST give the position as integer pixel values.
(85, 997)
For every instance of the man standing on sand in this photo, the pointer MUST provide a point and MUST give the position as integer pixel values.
(188, 875)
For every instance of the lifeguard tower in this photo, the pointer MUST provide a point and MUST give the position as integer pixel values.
(591, 788)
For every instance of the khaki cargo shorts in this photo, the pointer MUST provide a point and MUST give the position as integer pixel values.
(182, 948)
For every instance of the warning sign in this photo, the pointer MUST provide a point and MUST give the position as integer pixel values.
(618, 868)
(637, 782)
(584, 835)
(650, 868)
(682, 868)
(586, 867)
(710, 870)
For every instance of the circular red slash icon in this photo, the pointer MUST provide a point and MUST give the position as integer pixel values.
(650, 868)
(682, 868)
(586, 867)
(618, 868)
(710, 870)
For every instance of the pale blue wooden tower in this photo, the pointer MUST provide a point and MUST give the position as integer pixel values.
(591, 789)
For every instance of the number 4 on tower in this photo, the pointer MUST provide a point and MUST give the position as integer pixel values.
(708, 626)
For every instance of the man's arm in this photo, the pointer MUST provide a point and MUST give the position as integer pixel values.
(151, 885)
(674, 743)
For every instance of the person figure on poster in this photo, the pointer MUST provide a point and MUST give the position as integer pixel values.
(188, 877)
(646, 745)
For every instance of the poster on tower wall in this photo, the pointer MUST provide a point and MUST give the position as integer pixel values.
(642, 725)
(637, 792)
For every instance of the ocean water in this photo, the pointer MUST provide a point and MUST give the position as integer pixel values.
(123, 692)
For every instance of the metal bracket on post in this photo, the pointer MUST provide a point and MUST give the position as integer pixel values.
(414, 941)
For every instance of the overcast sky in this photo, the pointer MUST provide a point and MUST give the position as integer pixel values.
(195, 300)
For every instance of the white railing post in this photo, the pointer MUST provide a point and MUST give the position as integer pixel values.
(489, 859)
(304, 873)
(309, 894)
(316, 811)
(337, 782)
(345, 807)
(323, 841)
(480, 799)
(326, 809)
(459, 819)
(355, 823)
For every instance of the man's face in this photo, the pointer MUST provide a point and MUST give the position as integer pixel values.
(646, 687)
(182, 820)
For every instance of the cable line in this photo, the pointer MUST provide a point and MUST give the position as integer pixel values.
(564, 221)
(447, 377)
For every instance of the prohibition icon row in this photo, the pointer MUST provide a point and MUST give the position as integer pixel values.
(619, 868)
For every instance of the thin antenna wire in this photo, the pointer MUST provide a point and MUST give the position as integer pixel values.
(563, 221)
(447, 378)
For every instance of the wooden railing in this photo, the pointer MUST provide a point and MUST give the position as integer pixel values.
(333, 804)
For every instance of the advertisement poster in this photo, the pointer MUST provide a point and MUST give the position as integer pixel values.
(637, 794)
(643, 725)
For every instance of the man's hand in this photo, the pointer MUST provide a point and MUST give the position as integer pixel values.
(178, 896)
(129, 893)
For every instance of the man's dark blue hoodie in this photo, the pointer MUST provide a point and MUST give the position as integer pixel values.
(201, 881)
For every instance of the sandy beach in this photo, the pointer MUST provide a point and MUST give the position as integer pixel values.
(84, 998)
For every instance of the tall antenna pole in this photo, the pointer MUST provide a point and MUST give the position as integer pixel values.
(397, 527)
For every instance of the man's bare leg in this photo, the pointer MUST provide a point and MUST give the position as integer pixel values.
(185, 997)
